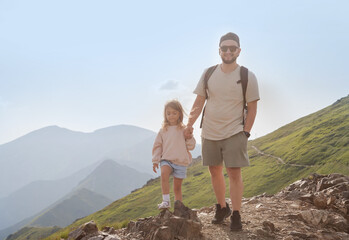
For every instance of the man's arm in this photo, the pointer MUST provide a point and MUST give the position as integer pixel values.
(251, 115)
(194, 114)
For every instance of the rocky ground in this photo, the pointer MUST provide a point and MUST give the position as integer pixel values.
(313, 208)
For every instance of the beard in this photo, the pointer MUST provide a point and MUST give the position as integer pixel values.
(229, 61)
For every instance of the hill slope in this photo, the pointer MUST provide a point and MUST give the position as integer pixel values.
(266, 173)
(318, 143)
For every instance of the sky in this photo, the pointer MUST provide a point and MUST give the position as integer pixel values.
(86, 65)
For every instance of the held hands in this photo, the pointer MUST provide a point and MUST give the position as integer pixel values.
(188, 132)
(155, 166)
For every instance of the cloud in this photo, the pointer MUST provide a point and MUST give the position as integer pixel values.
(169, 85)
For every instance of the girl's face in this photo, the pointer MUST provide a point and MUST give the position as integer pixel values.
(172, 116)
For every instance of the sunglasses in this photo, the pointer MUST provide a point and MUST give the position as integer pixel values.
(231, 48)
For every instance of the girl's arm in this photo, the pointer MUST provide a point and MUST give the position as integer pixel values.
(157, 149)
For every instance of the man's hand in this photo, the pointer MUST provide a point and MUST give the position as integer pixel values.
(155, 166)
(188, 132)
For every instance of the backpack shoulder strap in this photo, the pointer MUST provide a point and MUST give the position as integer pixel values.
(208, 74)
(244, 82)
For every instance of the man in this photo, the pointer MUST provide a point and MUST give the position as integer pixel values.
(225, 130)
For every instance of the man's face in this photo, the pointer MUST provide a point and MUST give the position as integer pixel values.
(229, 50)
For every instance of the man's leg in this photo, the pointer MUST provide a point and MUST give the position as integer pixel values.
(218, 183)
(222, 209)
(236, 187)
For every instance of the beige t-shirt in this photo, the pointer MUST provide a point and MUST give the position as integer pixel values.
(223, 114)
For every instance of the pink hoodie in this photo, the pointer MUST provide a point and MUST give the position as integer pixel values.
(172, 146)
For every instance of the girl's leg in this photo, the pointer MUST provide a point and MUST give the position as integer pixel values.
(177, 188)
(165, 178)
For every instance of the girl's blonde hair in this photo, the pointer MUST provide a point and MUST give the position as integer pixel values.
(176, 105)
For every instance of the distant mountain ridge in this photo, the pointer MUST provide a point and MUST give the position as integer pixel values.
(37, 195)
(106, 183)
(51, 153)
(103, 180)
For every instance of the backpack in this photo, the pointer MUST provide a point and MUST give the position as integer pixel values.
(243, 80)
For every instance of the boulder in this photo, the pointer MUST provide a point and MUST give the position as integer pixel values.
(315, 217)
(183, 223)
(85, 231)
(320, 201)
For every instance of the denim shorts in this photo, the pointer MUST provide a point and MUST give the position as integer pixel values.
(177, 170)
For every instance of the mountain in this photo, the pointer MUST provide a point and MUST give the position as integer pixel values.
(81, 203)
(36, 196)
(52, 153)
(113, 180)
(271, 167)
(107, 182)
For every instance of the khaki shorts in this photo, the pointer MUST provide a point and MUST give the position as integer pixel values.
(232, 150)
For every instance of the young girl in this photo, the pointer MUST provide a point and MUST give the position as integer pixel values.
(171, 150)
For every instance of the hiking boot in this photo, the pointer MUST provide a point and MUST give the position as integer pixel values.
(235, 219)
(221, 213)
(164, 205)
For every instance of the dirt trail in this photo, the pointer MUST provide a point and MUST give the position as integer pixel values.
(279, 159)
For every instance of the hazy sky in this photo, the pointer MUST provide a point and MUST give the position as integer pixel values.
(85, 65)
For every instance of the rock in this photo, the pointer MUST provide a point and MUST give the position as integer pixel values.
(333, 176)
(109, 230)
(253, 200)
(294, 195)
(339, 223)
(269, 226)
(183, 223)
(114, 237)
(288, 238)
(184, 212)
(331, 200)
(295, 205)
(96, 238)
(88, 229)
(338, 180)
(345, 194)
(294, 216)
(188, 229)
(263, 233)
(320, 201)
(322, 184)
(315, 217)
(163, 232)
(299, 234)
(259, 205)
(307, 197)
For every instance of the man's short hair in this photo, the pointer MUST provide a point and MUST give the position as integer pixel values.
(230, 36)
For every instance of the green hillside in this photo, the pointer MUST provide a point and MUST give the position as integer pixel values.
(315, 143)
(319, 139)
